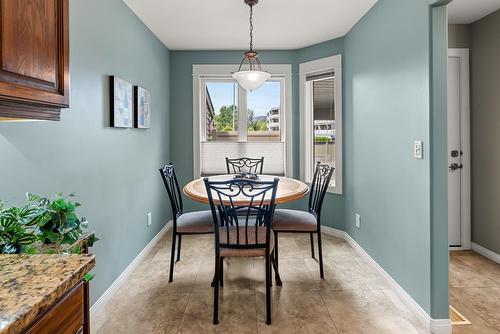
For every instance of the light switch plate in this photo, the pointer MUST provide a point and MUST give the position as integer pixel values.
(418, 149)
(149, 218)
(358, 221)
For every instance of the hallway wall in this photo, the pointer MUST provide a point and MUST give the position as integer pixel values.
(485, 137)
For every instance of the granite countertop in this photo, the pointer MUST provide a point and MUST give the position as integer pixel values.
(31, 283)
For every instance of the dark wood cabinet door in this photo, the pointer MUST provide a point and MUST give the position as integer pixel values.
(65, 316)
(34, 57)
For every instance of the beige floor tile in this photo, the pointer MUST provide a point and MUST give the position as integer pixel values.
(147, 303)
(293, 272)
(237, 313)
(478, 264)
(464, 275)
(294, 312)
(475, 292)
(480, 306)
(346, 274)
(145, 313)
(152, 277)
(369, 311)
(238, 275)
(289, 246)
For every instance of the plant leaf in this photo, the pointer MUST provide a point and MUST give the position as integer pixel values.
(88, 277)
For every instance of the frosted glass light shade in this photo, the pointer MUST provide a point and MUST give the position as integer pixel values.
(251, 80)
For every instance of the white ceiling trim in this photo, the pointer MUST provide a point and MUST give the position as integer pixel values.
(223, 24)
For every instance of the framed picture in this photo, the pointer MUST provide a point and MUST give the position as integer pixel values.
(142, 108)
(121, 103)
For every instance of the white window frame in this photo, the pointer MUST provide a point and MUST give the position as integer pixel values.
(333, 63)
(203, 73)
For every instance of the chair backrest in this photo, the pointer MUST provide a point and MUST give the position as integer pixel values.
(245, 165)
(321, 181)
(174, 192)
(242, 212)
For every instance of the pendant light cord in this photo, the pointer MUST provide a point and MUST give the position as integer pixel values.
(251, 28)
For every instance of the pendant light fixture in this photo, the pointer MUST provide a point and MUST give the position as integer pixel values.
(254, 77)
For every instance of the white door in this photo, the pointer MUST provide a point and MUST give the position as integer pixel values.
(458, 149)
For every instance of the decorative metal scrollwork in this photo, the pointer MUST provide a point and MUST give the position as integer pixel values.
(244, 165)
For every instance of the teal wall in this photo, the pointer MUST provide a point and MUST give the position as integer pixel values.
(113, 171)
(393, 95)
(181, 105)
(439, 162)
(388, 104)
(387, 108)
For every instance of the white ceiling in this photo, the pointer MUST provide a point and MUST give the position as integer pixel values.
(468, 11)
(223, 24)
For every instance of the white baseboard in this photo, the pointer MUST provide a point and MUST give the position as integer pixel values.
(115, 286)
(436, 326)
(333, 232)
(486, 252)
(440, 326)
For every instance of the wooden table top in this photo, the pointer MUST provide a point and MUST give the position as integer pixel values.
(288, 189)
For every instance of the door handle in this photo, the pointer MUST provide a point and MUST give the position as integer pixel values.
(455, 166)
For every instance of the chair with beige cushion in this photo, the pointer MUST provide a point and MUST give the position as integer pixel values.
(199, 222)
(244, 165)
(242, 212)
(296, 221)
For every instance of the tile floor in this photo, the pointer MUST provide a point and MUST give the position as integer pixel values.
(474, 289)
(353, 298)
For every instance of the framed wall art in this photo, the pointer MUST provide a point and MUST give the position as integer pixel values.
(121, 109)
(142, 108)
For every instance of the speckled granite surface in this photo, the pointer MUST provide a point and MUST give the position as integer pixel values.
(31, 283)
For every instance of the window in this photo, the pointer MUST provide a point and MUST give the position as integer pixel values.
(264, 113)
(221, 100)
(229, 121)
(321, 118)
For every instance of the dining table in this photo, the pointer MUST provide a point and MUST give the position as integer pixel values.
(288, 189)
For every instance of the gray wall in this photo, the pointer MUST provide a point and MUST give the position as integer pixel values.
(113, 171)
(485, 137)
(459, 36)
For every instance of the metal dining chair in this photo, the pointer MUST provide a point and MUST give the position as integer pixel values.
(244, 230)
(296, 221)
(244, 165)
(198, 222)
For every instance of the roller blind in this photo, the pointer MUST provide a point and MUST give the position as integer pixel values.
(213, 156)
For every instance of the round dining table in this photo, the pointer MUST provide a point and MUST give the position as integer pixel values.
(288, 189)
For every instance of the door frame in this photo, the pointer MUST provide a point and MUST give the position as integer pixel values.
(465, 205)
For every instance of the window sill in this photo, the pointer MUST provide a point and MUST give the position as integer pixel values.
(242, 141)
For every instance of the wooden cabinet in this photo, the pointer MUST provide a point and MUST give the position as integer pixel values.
(68, 315)
(34, 58)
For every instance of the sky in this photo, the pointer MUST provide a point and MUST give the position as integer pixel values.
(260, 101)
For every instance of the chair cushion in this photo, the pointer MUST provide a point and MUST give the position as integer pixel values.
(242, 252)
(294, 220)
(196, 222)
